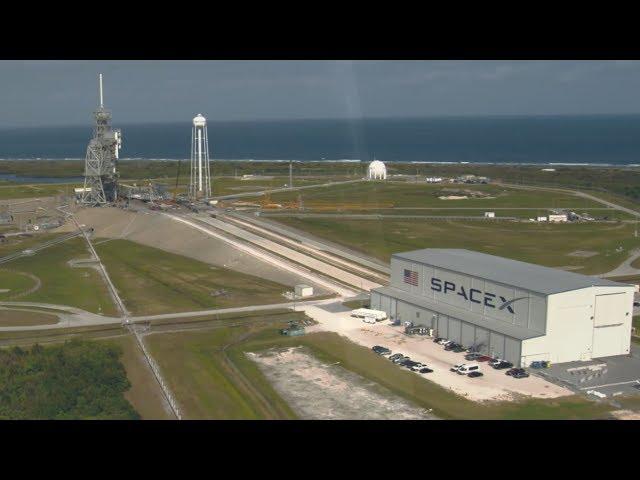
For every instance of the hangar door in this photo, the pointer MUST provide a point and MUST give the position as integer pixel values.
(468, 334)
(496, 345)
(512, 350)
(608, 331)
(482, 340)
(454, 330)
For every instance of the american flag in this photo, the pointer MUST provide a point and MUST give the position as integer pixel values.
(411, 277)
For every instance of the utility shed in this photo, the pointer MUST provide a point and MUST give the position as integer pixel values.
(508, 309)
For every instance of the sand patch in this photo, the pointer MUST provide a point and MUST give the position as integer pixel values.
(320, 391)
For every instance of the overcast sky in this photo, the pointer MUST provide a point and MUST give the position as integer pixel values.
(34, 93)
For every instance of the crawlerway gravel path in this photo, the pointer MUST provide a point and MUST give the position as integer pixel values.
(625, 268)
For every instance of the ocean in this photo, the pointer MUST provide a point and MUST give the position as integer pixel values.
(602, 139)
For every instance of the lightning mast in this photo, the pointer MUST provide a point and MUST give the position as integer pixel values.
(101, 161)
(200, 182)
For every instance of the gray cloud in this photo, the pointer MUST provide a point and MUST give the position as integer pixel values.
(64, 92)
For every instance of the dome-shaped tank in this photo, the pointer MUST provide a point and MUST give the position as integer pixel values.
(377, 170)
(199, 121)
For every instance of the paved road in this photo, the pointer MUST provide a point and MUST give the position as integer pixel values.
(376, 216)
(272, 259)
(625, 268)
(285, 189)
(323, 245)
(288, 253)
(578, 194)
(76, 317)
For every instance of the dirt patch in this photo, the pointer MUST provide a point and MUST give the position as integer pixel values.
(320, 391)
(626, 415)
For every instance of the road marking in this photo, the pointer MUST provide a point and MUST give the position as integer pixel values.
(609, 385)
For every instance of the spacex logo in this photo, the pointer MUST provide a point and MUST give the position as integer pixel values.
(474, 295)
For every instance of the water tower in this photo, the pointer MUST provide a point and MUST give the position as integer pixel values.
(200, 183)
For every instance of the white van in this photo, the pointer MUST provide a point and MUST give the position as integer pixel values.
(468, 368)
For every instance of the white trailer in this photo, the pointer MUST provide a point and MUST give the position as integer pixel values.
(377, 315)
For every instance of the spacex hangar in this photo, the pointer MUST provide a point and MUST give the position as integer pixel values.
(508, 309)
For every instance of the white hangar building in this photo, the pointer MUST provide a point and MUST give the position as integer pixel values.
(508, 309)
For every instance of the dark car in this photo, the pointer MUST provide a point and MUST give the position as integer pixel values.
(472, 356)
(451, 346)
(636, 304)
(437, 339)
(520, 375)
(425, 370)
(484, 358)
(381, 350)
(502, 365)
(514, 370)
(475, 374)
(458, 349)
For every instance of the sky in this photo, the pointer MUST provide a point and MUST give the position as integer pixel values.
(59, 93)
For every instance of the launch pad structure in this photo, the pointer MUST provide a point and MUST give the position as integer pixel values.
(101, 161)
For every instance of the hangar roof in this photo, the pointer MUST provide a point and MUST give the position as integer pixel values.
(523, 275)
(514, 331)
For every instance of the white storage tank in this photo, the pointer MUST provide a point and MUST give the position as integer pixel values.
(303, 290)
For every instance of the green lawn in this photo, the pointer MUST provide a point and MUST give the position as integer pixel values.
(152, 281)
(63, 285)
(544, 244)
(10, 192)
(208, 373)
(403, 194)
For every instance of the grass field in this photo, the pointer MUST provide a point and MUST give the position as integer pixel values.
(210, 376)
(23, 318)
(9, 192)
(209, 384)
(373, 195)
(153, 281)
(63, 285)
(544, 244)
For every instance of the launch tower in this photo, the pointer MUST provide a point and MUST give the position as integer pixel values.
(101, 162)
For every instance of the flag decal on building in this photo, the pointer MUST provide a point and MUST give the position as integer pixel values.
(411, 277)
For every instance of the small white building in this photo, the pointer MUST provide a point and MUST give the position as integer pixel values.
(377, 171)
(303, 290)
(541, 219)
(490, 214)
(548, 169)
(434, 179)
(558, 217)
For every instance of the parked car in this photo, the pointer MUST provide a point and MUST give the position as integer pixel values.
(636, 304)
(450, 346)
(443, 341)
(539, 364)
(425, 370)
(395, 356)
(458, 349)
(468, 368)
(455, 368)
(501, 364)
(475, 374)
(472, 356)
(381, 350)
(521, 374)
(401, 358)
(511, 371)
(484, 358)
(438, 340)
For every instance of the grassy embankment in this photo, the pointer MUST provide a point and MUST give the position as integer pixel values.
(152, 281)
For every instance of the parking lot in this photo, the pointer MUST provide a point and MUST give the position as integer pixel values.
(493, 385)
(609, 376)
